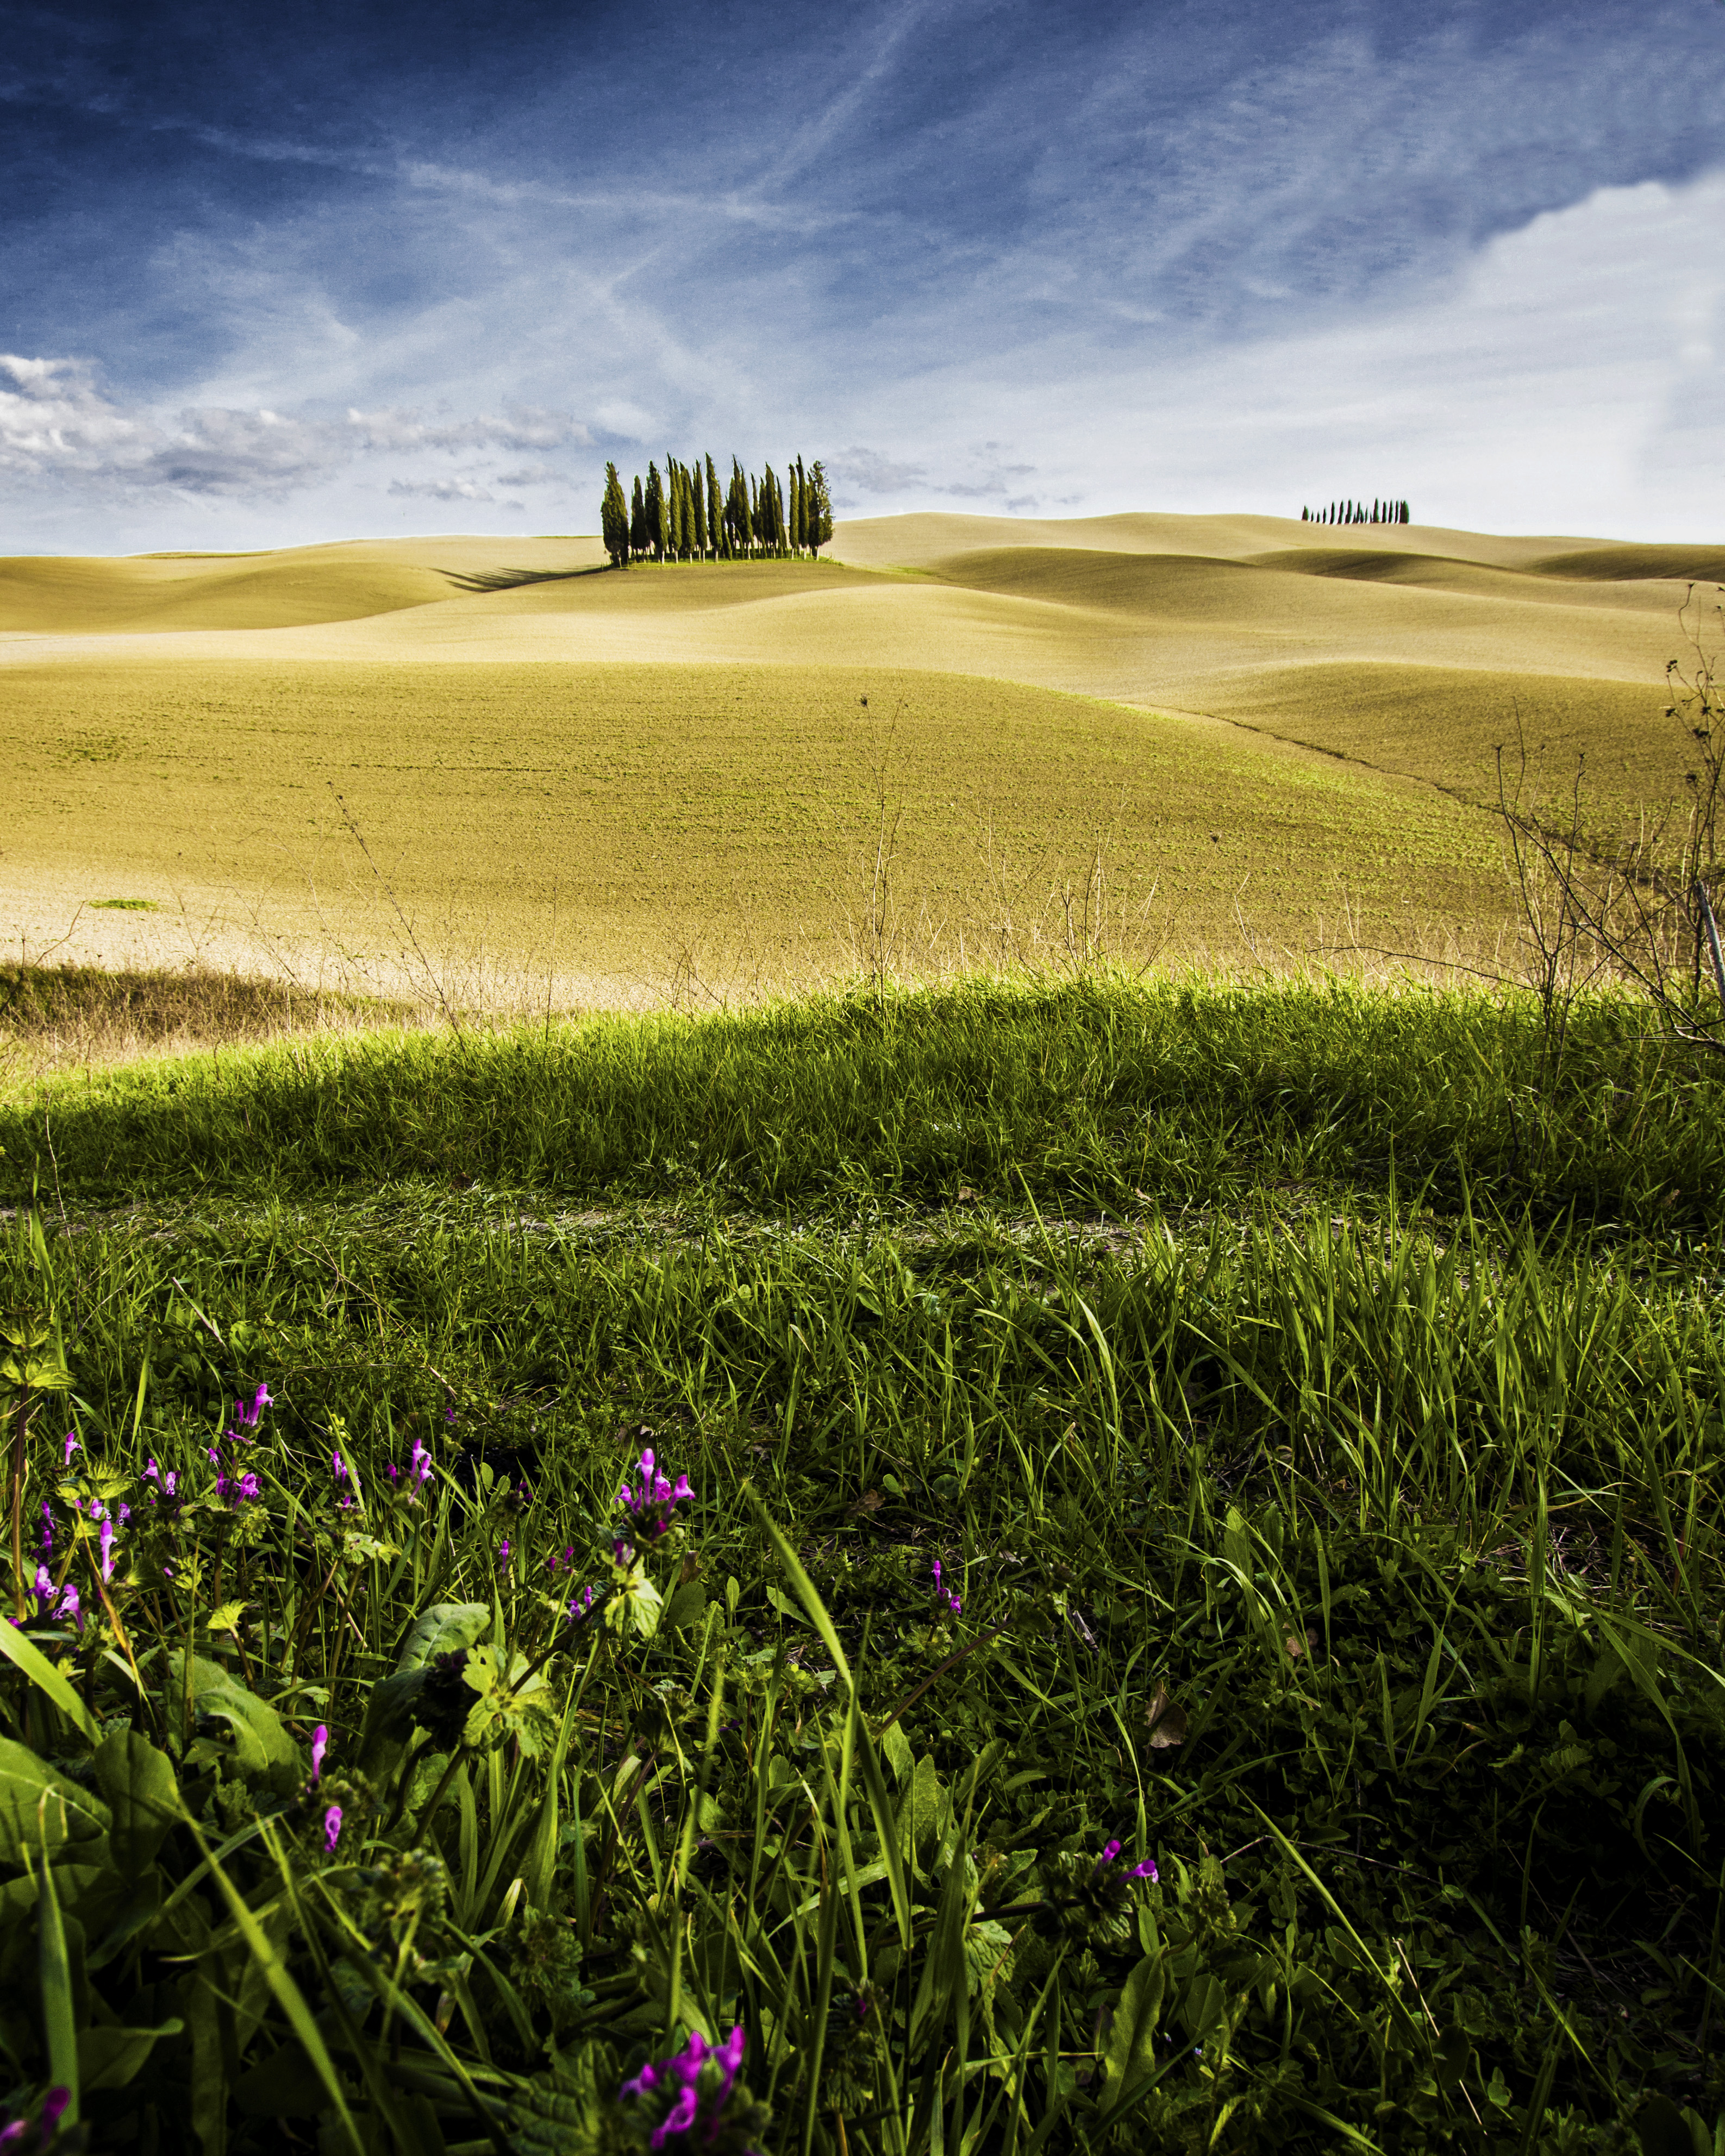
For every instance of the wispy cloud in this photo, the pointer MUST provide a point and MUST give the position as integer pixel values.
(55, 421)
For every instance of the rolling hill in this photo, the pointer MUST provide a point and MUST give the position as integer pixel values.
(1262, 735)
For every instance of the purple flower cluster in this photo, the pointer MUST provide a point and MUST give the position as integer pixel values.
(52, 1601)
(653, 1501)
(942, 1594)
(1146, 1869)
(419, 1471)
(22, 2135)
(232, 1488)
(697, 2082)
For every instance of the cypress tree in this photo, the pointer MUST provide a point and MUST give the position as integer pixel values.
(743, 517)
(795, 480)
(817, 508)
(614, 520)
(700, 494)
(658, 524)
(638, 521)
(686, 515)
(712, 505)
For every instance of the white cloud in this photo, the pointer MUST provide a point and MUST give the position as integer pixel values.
(445, 490)
(521, 428)
(56, 422)
(1567, 377)
(873, 473)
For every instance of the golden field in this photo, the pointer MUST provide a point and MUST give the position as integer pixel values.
(585, 786)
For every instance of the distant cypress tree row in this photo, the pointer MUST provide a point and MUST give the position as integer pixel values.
(683, 515)
(1356, 512)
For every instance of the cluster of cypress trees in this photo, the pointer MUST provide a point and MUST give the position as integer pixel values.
(683, 517)
(1356, 512)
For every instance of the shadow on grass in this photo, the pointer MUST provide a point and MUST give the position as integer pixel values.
(509, 580)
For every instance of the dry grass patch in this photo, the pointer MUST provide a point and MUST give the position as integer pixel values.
(61, 1018)
(666, 814)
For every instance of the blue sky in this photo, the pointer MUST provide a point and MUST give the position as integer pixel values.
(323, 270)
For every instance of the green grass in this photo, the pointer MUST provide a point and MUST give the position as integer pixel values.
(1094, 1093)
(1313, 1377)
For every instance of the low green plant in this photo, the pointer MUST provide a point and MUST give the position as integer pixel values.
(866, 1675)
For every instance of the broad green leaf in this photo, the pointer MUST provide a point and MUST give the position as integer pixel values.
(1131, 2050)
(896, 1747)
(444, 1628)
(925, 1807)
(41, 1810)
(784, 1605)
(389, 1712)
(261, 1749)
(1203, 2005)
(686, 1607)
(1663, 2130)
(143, 1799)
(72, 1883)
(111, 2058)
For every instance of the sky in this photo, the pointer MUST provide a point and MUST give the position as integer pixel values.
(317, 271)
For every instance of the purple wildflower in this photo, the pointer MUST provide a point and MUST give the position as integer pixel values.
(107, 1551)
(656, 1499)
(421, 1469)
(47, 1542)
(503, 1551)
(56, 1602)
(246, 1489)
(392, 1471)
(247, 1417)
(319, 1745)
(581, 1606)
(698, 2081)
(72, 1445)
(332, 1827)
(336, 1468)
(1146, 1869)
(53, 2105)
(941, 1594)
